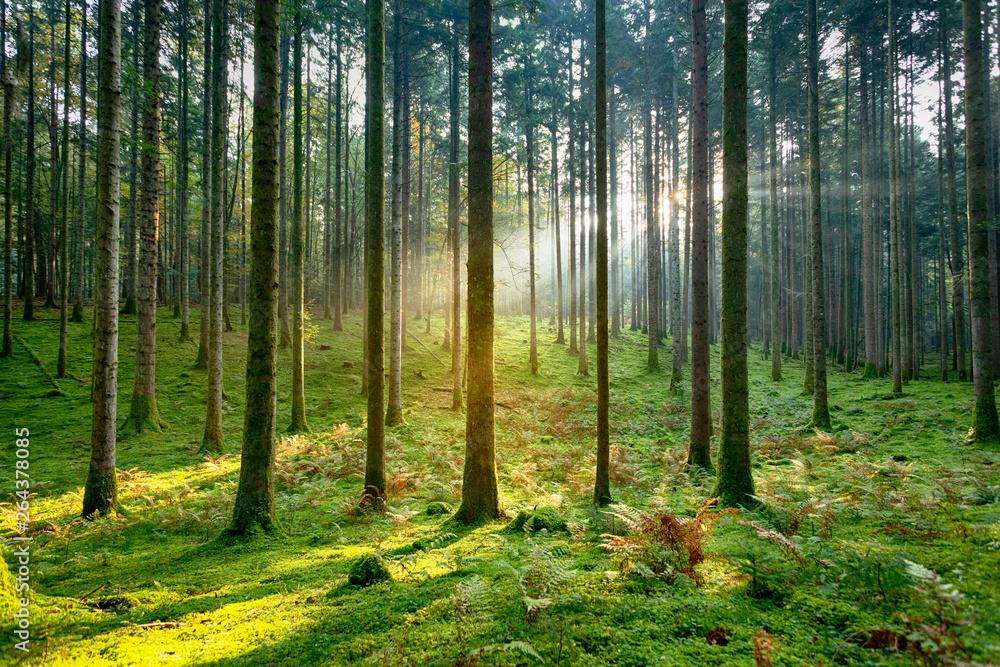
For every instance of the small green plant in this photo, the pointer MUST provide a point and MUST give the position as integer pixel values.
(540, 575)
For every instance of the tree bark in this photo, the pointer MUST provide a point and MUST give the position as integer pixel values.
(143, 414)
(480, 492)
(296, 241)
(985, 427)
(602, 486)
(699, 452)
(735, 482)
(101, 492)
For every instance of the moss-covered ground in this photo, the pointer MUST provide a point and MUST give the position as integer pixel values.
(877, 544)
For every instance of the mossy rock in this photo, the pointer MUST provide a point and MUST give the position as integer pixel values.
(367, 570)
(117, 603)
(537, 519)
(439, 508)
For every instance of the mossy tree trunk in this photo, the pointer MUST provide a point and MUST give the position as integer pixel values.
(81, 226)
(821, 410)
(699, 452)
(985, 428)
(602, 485)
(286, 337)
(480, 487)
(295, 239)
(375, 247)
(143, 414)
(65, 168)
(454, 229)
(253, 509)
(205, 271)
(394, 408)
(7, 79)
(773, 208)
(212, 440)
(735, 482)
(101, 491)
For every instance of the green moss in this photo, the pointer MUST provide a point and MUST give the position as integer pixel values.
(439, 508)
(367, 570)
(142, 415)
(536, 520)
(117, 603)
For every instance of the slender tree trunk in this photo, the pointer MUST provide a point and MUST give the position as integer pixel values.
(985, 427)
(480, 487)
(7, 76)
(699, 453)
(205, 272)
(101, 492)
(602, 486)
(285, 339)
(958, 275)
(375, 247)
(296, 241)
(213, 439)
(454, 231)
(674, 235)
(394, 410)
(253, 509)
(573, 349)
(131, 229)
(868, 221)
(143, 414)
(652, 261)
(894, 224)
(182, 179)
(65, 239)
(530, 144)
(29, 186)
(339, 279)
(821, 410)
(561, 335)
(775, 205)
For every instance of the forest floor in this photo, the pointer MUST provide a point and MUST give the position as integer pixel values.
(877, 544)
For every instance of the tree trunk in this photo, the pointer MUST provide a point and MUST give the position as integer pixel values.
(143, 414)
(735, 482)
(530, 146)
(29, 186)
(64, 242)
(775, 205)
(821, 410)
(7, 77)
(182, 179)
(285, 339)
(699, 452)
(480, 492)
(674, 236)
(455, 231)
(375, 247)
(394, 410)
(602, 486)
(296, 233)
(339, 280)
(213, 439)
(101, 491)
(253, 509)
(131, 227)
(984, 413)
(205, 272)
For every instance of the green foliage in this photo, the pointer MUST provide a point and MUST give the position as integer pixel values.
(541, 518)
(540, 573)
(368, 570)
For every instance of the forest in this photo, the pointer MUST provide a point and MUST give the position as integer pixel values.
(555, 332)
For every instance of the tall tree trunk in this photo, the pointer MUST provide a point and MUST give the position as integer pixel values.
(328, 191)
(735, 482)
(285, 339)
(530, 146)
(985, 427)
(65, 239)
(131, 229)
(182, 179)
(101, 492)
(143, 414)
(394, 410)
(480, 487)
(775, 205)
(296, 241)
(339, 280)
(674, 235)
(602, 486)
(573, 349)
(205, 271)
(213, 439)
(652, 260)
(868, 222)
(253, 509)
(7, 79)
(894, 225)
(375, 247)
(821, 410)
(958, 275)
(561, 335)
(454, 230)
(699, 452)
(29, 185)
